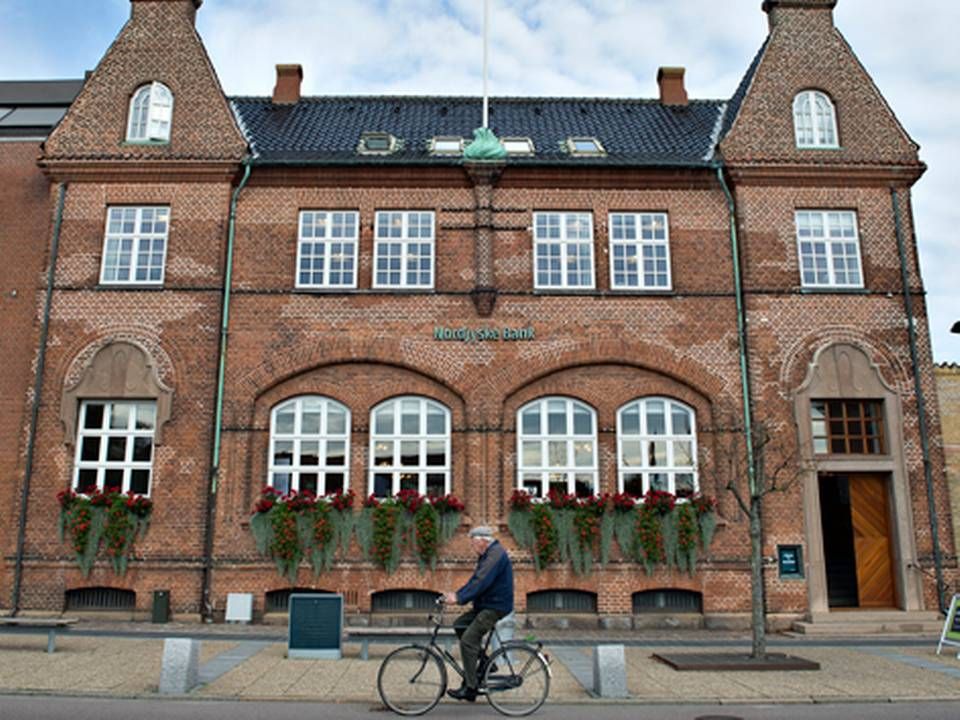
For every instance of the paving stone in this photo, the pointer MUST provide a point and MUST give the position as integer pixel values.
(179, 673)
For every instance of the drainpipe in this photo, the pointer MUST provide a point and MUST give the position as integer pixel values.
(921, 405)
(206, 608)
(35, 404)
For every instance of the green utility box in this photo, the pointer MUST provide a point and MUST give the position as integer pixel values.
(161, 606)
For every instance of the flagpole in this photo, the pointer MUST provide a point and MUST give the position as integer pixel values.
(486, 20)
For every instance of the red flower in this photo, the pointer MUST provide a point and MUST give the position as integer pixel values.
(520, 500)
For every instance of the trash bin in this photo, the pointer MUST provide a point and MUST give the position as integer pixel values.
(161, 606)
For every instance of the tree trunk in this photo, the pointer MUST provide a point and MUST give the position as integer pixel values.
(758, 619)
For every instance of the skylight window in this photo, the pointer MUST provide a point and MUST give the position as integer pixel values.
(446, 146)
(377, 143)
(518, 146)
(585, 146)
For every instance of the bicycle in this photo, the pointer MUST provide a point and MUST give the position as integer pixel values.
(515, 679)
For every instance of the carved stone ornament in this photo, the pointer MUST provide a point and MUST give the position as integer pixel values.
(118, 371)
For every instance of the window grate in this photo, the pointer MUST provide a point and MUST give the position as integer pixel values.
(390, 601)
(560, 601)
(100, 598)
(667, 601)
(279, 600)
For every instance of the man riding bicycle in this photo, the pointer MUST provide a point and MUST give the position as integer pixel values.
(490, 589)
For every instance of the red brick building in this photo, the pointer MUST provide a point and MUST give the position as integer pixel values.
(389, 314)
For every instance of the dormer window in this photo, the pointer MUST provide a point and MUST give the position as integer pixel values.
(814, 120)
(585, 146)
(518, 145)
(446, 146)
(151, 111)
(377, 143)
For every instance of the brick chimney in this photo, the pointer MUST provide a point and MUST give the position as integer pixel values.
(287, 89)
(786, 12)
(190, 7)
(672, 91)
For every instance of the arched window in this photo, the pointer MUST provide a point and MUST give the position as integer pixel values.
(656, 447)
(309, 446)
(410, 447)
(151, 111)
(557, 447)
(814, 121)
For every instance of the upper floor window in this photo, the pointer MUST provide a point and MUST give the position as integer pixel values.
(656, 447)
(327, 249)
(563, 250)
(115, 446)
(446, 145)
(135, 245)
(410, 447)
(151, 111)
(639, 251)
(377, 143)
(847, 427)
(585, 146)
(309, 446)
(829, 248)
(814, 120)
(403, 250)
(518, 145)
(557, 447)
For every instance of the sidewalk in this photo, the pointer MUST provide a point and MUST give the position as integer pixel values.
(252, 665)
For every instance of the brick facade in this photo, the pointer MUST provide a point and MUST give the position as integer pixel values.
(948, 394)
(364, 346)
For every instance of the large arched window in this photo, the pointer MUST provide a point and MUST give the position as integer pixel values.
(309, 446)
(151, 112)
(814, 120)
(656, 447)
(557, 447)
(409, 447)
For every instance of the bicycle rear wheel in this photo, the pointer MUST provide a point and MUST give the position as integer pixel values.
(516, 680)
(411, 680)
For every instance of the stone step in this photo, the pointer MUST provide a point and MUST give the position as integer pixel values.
(867, 622)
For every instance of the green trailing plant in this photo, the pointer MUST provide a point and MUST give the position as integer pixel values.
(111, 521)
(544, 536)
(687, 536)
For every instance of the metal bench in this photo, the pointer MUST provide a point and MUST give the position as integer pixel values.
(367, 635)
(34, 625)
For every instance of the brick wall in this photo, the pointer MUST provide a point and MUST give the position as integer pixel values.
(948, 392)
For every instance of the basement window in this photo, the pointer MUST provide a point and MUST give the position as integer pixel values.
(377, 143)
(518, 146)
(585, 146)
(667, 600)
(446, 146)
(561, 601)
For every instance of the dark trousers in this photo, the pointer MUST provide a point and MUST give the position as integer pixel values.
(470, 628)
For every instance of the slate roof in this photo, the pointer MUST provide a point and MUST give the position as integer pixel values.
(327, 130)
(32, 108)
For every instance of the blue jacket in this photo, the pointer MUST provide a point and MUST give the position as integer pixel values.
(491, 585)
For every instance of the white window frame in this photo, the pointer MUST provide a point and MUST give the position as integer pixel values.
(395, 409)
(815, 121)
(150, 118)
(671, 469)
(364, 149)
(547, 471)
(446, 140)
(542, 243)
(572, 148)
(828, 249)
(123, 249)
(327, 221)
(518, 146)
(130, 433)
(309, 404)
(640, 244)
(406, 243)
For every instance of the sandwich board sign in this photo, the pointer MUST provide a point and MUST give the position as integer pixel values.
(315, 626)
(951, 626)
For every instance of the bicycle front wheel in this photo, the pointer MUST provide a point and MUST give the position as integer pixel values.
(411, 680)
(517, 680)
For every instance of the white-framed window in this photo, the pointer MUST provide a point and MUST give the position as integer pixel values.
(656, 447)
(518, 145)
(115, 446)
(327, 249)
(309, 446)
(409, 447)
(377, 143)
(403, 249)
(446, 145)
(135, 245)
(829, 248)
(814, 120)
(563, 250)
(639, 251)
(585, 146)
(557, 447)
(151, 114)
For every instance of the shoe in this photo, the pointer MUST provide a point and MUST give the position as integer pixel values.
(463, 693)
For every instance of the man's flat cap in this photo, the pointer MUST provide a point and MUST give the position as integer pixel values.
(481, 531)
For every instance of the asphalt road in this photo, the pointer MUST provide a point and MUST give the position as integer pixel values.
(29, 707)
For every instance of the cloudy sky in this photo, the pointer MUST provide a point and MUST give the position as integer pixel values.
(550, 47)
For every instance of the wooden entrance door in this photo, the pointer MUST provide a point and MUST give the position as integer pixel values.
(870, 514)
